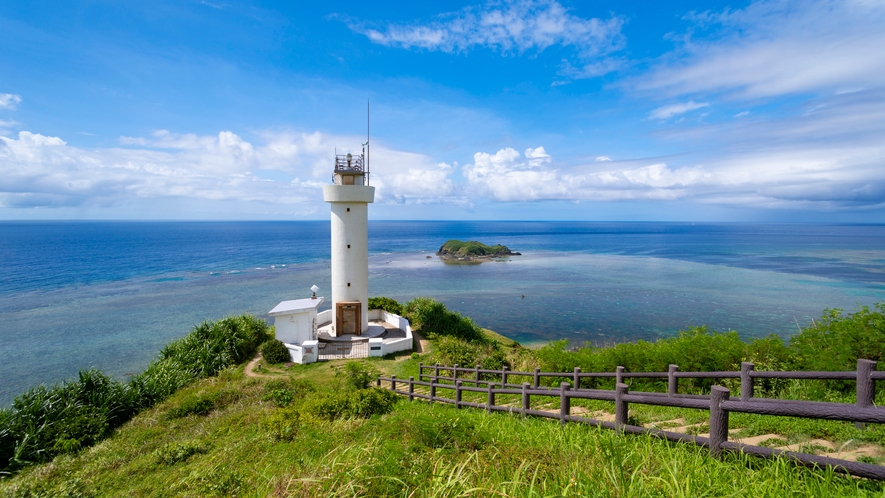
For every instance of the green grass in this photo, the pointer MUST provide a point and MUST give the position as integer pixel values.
(238, 448)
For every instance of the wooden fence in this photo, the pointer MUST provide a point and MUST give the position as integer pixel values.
(719, 403)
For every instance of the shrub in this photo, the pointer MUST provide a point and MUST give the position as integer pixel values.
(174, 453)
(449, 350)
(361, 403)
(436, 321)
(283, 424)
(194, 405)
(387, 304)
(48, 421)
(283, 393)
(274, 351)
(357, 375)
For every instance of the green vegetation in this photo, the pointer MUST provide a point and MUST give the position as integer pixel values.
(387, 304)
(274, 351)
(46, 421)
(472, 249)
(323, 430)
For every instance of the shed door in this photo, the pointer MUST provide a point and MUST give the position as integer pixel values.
(349, 318)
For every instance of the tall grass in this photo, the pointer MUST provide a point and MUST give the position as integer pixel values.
(47, 421)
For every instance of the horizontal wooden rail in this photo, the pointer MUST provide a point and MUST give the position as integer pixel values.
(719, 403)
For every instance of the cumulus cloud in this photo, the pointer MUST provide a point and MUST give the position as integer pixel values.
(778, 47)
(669, 111)
(511, 26)
(822, 178)
(9, 100)
(44, 171)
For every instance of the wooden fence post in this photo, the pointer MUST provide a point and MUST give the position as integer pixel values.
(458, 394)
(420, 371)
(411, 388)
(565, 403)
(866, 386)
(672, 381)
(621, 406)
(432, 389)
(526, 402)
(393, 382)
(490, 401)
(455, 371)
(477, 376)
(619, 375)
(504, 377)
(378, 382)
(436, 370)
(577, 379)
(718, 420)
(746, 380)
(537, 378)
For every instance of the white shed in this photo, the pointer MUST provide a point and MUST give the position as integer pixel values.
(296, 321)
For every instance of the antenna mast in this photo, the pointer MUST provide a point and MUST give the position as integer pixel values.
(368, 135)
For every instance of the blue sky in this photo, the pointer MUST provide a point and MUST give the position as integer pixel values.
(700, 111)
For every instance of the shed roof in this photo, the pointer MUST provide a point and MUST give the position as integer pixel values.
(295, 306)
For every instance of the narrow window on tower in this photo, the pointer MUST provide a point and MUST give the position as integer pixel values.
(348, 210)
(348, 284)
(348, 246)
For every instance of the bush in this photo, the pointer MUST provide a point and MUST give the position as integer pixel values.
(283, 392)
(436, 321)
(387, 304)
(283, 424)
(357, 375)
(274, 351)
(361, 403)
(49, 421)
(449, 350)
(194, 405)
(174, 453)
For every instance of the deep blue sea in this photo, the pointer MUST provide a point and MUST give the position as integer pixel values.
(75, 295)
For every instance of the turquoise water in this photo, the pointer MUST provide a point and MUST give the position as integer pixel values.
(109, 295)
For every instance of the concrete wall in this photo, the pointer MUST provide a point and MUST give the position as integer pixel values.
(304, 353)
(381, 347)
(295, 328)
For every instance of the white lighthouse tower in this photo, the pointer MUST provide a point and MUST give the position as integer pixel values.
(350, 196)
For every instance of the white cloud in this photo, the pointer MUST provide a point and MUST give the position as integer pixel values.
(779, 47)
(603, 158)
(821, 178)
(9, 100)
(512, 26)
(676, 109)
(44, 171)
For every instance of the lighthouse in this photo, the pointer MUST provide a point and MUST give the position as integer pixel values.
(350, 195)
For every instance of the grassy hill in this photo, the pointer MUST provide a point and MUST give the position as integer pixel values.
(250, 443)
(318, 430)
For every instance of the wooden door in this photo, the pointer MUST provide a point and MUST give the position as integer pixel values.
(349, 318)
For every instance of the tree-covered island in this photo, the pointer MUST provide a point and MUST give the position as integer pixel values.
(456, 250)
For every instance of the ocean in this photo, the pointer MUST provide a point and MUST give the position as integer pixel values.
(75, 295)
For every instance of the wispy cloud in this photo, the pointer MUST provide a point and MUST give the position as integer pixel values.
(9, 100)
(511, 26)
(676, 109)
(774, 48)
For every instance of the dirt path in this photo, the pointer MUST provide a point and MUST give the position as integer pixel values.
(420, 345)
(250, 368)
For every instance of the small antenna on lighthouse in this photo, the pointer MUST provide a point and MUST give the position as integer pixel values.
(368, 135)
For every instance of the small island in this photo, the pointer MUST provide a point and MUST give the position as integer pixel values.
(472, 251)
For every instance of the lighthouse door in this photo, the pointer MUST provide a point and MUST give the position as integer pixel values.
(349, 318)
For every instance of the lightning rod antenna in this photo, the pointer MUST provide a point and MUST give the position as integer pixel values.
(368, 139)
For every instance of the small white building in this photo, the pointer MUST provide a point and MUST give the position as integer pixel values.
(296, 326)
